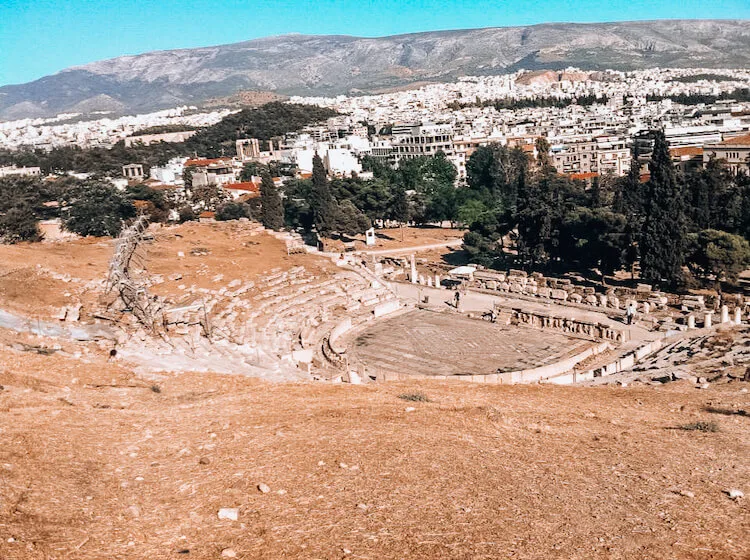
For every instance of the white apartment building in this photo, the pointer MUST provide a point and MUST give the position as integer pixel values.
(171, 173)
(12, 170)
(603, 155)
(422, 140)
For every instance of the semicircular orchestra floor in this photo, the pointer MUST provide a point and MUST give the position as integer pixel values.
(428, 343)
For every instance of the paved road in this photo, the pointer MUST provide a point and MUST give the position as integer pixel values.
(414, 249)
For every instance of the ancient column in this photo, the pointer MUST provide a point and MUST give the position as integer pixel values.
(724, 314)
(707, 320)
(691, 321)
(413, 270)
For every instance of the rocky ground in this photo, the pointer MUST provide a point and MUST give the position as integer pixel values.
(718, 356)
(96, 462)
(100, 458)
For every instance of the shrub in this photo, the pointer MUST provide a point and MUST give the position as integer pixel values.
(414, 397)
(231, 211)
(700, 427)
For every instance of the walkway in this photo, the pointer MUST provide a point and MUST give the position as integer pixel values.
(414, 249)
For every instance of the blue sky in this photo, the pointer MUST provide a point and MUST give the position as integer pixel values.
(40, 37)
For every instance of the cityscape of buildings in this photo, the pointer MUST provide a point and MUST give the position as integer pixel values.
(589, 120)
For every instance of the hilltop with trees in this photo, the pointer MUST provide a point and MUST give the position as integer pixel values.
(264, 122)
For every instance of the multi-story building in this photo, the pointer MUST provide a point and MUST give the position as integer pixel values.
(612, 156)
(603, 155)
(423, 140)
(734, 151)
(219, 171)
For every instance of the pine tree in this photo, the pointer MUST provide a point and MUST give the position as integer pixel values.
(272, 210)
(662, 240)
(322, 202)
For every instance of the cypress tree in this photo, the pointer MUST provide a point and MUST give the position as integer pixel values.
(323, 204)
(272, 211)
(662, 240)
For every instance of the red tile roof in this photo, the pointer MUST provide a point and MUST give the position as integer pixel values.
(738, 140)
(686, 151)
(583, 176)
(206, 162)
(248, 186)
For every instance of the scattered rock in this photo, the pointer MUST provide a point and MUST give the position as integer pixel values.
(734, 493)
(229, 513)
(321, 463)
(343, 465)
(362, 506)
(203, 461)
(409, 409)
(264, 488)
(228, 553)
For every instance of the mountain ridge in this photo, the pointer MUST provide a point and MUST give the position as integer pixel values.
(298, 64)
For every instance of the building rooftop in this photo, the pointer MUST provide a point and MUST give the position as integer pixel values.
(207, 162)
(248, 186)
(686, 151)
(737, 141)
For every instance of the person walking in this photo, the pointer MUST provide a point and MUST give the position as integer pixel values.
(630, 313)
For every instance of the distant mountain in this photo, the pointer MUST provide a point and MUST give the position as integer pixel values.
(326, 65)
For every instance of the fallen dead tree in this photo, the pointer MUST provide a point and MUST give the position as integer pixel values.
(124, 279)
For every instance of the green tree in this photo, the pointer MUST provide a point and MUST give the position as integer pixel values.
(231, 211)
(469, 211)
(718, 254)
(542, 154)
(187, 214)
(401, 210)
(272, 209)
(350, 220)
(321, 200)
(187, 176)
(484, 241)
(96, 209)
(19, 223)
(157, 205)
(662, 242)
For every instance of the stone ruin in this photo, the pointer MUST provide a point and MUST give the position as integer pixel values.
(588, 329)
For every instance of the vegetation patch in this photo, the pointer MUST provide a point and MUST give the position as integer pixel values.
(706, 427)
(417, 396)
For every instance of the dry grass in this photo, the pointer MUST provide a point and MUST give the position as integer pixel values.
(95, 464)
(98, 462)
